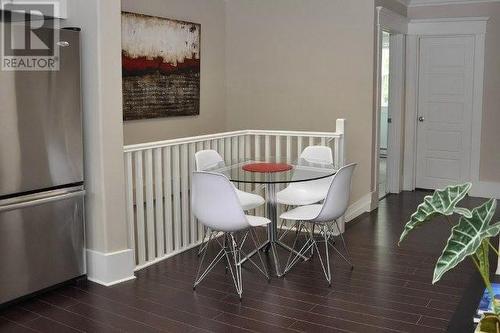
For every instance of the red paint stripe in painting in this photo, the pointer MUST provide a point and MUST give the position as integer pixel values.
(141, 65)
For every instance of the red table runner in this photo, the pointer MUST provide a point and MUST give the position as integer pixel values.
(267, 167)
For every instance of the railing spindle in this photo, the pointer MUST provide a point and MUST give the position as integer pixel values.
(176, 190)
(167, 195)
(159, 221)
(150, 217)
(185, 214)
(193, 228)
(139, 204)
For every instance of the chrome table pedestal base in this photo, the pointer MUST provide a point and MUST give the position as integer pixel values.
(273, 241)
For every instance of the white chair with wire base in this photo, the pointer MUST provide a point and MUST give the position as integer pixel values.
(307, 193)
(324, 217)
(207, 159)
(216, 205)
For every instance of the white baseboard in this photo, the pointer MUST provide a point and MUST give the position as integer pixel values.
(171, 254)
(485, 190)
(359, 207)
(110, 268)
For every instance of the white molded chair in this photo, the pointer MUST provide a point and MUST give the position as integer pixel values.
(322, 215)
(206, 159)
(215, 204)
(308, 193)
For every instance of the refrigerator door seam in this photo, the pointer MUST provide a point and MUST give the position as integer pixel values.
(41, 201)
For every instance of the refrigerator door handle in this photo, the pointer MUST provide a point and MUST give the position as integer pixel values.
(41, 200)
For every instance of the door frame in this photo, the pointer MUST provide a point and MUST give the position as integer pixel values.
(397, 26)
(464, 26)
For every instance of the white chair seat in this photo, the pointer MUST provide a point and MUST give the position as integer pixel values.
(249, 200)
(257, 221)
(293, 196)
(302, 213)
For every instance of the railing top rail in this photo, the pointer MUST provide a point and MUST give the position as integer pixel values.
(222, 135)
(296, 133)
(191, 139)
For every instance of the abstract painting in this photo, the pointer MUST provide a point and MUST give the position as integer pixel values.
(160, 67)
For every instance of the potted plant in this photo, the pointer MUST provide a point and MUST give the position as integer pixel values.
(469, 238)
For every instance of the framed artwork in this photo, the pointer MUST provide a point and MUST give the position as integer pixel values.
(160, 67)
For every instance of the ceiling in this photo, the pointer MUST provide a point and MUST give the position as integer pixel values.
(415, 3)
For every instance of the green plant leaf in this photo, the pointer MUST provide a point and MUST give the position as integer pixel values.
(466, 237)
(440, 202)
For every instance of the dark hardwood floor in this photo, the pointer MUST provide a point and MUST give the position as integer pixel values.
(389, 290)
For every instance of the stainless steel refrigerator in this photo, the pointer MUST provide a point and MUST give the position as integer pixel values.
(41, 175)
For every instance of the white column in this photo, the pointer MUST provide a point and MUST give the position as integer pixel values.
(109, 260)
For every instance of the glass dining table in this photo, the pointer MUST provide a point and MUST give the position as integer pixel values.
(273, 172)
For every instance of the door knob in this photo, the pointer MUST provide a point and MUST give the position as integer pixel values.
(421, 118)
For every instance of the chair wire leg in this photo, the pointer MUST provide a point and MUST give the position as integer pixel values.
(347, 259)
(200, 276)
(203, 244)
(226, 246)
(249, 258)
(236, 259)
(312, 235)
(228, 263)
(325, 271)
(329, 275)
(256, 242)
(304, 249)
(298, 228)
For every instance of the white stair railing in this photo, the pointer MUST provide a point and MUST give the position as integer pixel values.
(158, 179)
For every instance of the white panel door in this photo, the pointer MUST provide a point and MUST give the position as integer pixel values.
(445, 90)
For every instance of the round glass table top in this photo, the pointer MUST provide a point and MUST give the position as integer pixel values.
(301, 171)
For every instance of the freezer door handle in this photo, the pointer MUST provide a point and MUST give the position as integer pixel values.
(41, 200)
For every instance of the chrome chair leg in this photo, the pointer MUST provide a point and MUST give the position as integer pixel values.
(203, 244)
(237, 268)
(256, 242)
(200, 276)
(310, 244)
(328, 273)
(347, 258)
(232, 252)
(289, 263)
(303, 250)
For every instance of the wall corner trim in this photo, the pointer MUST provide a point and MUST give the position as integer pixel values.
(110, 268)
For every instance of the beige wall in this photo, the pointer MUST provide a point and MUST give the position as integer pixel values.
(490, 141)
(212, 108)
(300, 65)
